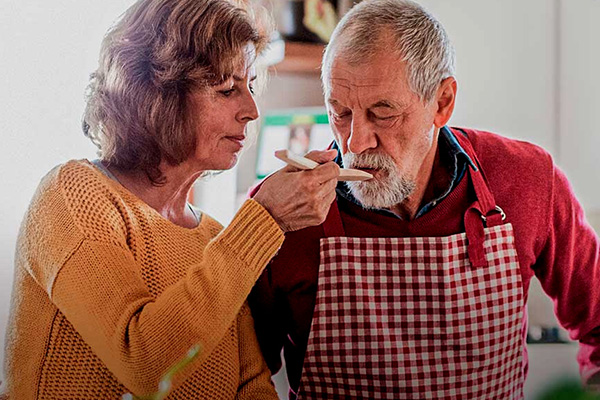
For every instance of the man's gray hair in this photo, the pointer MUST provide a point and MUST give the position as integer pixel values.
(420, 41)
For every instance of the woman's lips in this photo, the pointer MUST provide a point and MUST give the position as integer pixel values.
(238, 140)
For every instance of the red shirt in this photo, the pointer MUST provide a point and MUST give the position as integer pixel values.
(553, 240)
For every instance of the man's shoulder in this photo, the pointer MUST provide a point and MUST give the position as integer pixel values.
(497, 150)
(520, 174)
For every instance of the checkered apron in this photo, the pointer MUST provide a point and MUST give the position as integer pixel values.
(419, 318)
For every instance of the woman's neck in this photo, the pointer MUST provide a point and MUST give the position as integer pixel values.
(169, 199)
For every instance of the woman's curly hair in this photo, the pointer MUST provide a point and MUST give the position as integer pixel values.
(157, 53)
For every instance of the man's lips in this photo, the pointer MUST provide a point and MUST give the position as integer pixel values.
(376, 172)
(368, 169)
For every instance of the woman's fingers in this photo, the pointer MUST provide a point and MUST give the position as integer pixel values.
(299, 199)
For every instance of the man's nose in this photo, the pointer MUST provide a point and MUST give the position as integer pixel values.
(362, 137)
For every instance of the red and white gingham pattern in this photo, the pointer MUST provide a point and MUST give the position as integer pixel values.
(410, 318)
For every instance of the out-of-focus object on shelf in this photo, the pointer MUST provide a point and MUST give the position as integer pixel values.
(292, 16)
(298, 130)
(274, 53)
(344, 6)
(320, 18)
(301, 58)
(546, 334)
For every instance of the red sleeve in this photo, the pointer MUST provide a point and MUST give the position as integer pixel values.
(569, 271)
(267, 311)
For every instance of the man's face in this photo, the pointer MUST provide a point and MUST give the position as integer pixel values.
(381, 126)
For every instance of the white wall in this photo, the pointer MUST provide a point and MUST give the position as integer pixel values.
(47, 50)
(506, 65)
(580, 100)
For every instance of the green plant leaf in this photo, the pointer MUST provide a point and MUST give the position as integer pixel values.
(165, 384)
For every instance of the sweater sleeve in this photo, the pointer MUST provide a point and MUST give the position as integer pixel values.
(569, 271)
(255, 378)
(91, 277)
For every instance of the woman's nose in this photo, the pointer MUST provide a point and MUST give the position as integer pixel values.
(249, 110)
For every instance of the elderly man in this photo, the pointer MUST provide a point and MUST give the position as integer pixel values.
(416, 284)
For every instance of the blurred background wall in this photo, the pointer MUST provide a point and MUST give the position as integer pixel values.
(525, 69)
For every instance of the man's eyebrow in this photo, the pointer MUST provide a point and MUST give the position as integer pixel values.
(386, 104)
(379, 104)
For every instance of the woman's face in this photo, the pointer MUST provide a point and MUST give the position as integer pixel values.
(221, 115)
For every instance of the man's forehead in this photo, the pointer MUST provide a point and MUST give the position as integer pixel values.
(357, 81)
(380, 70)
(367, 100)
(366, 90)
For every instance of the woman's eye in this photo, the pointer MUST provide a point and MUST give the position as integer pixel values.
(227, 92)
(340, 116)
(251, 89)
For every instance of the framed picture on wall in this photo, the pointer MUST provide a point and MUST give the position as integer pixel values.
(298, 130)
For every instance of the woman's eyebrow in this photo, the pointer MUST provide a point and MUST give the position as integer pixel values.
(241, 78)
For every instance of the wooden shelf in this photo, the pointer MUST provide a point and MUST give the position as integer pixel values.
(301, 58)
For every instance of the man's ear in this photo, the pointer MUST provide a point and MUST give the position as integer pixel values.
(444, 100)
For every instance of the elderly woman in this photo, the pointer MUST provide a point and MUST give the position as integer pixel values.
(117, 276)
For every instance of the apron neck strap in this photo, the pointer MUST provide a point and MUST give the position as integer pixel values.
(491, 214)
(483, 211)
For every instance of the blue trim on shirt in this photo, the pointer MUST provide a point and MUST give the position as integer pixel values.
(454, 154)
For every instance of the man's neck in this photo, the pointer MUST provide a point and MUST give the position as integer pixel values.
(424, 186)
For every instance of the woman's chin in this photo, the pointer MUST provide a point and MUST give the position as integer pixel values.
(218, 161)
(226, 163)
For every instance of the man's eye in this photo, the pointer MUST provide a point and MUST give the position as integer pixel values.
(251, 89)
(382, 117)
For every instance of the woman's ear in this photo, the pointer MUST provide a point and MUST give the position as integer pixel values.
(444, 99)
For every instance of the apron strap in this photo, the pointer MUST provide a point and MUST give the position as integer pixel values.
(475, 236)
(491, 213)
(482, 212)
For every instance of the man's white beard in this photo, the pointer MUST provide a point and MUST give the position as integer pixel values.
(383, 192)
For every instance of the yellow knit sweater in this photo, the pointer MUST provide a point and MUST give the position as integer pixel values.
(108, 295)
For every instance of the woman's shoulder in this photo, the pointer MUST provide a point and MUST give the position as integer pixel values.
(74, 175)
(66, 209)
(80, 175)
(77, 192)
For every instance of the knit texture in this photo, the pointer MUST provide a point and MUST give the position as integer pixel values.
(108, 295)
